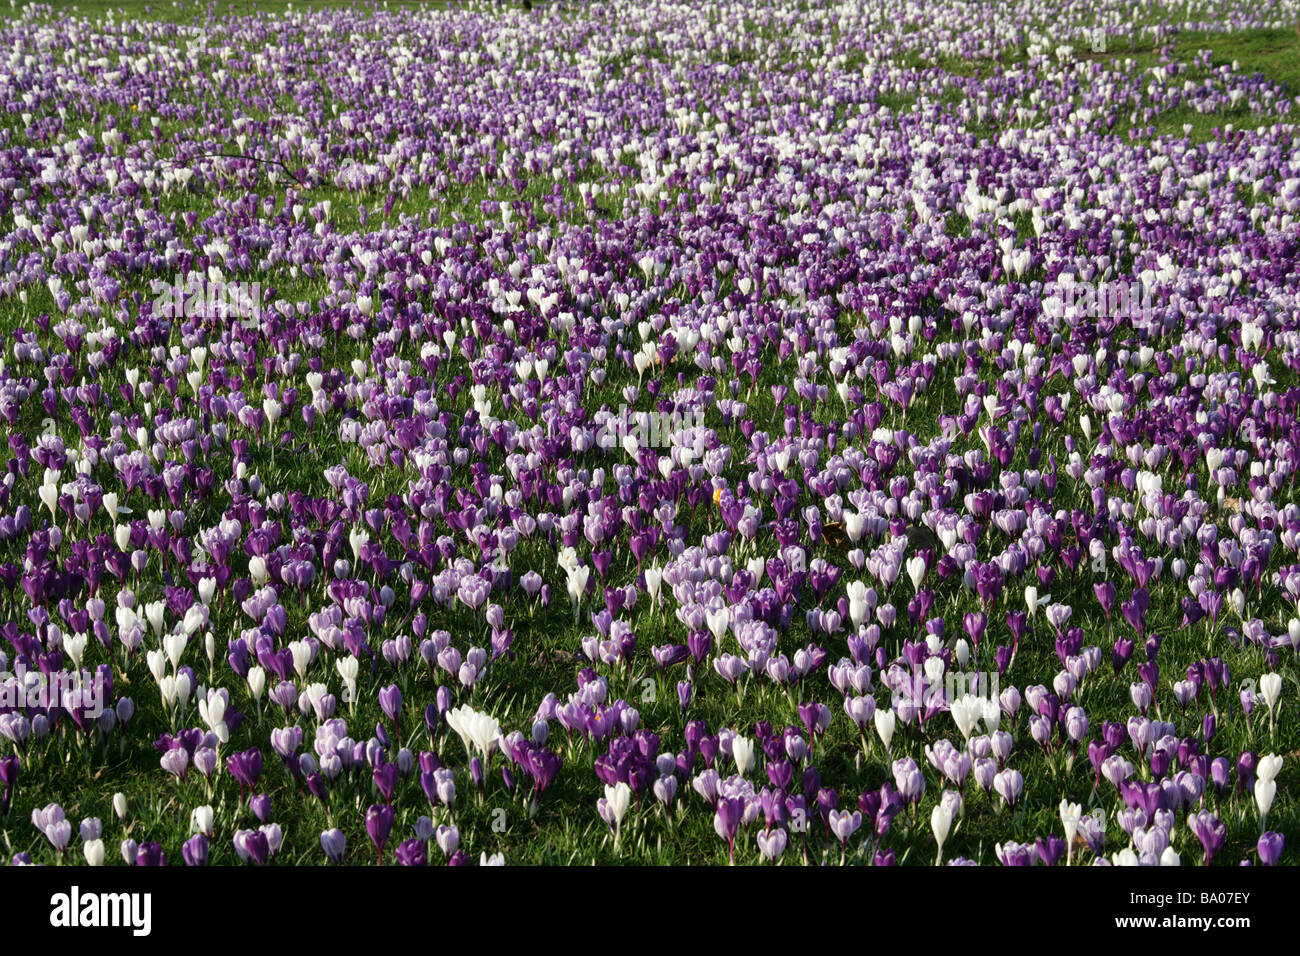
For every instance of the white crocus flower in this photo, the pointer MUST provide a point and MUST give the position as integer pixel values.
(202, 819)
(613, 808)
(916, 571)
(1070, 814)
(1270, 765)
(940, 823)
(885, 722)
(174, 646)
(742, 751)
(358, 538)
(475, 728)
(1270, 688)
(207, 589)
(157, 662)
(301, 652)
(256, 682)
(257, 570)
(858, 602)
(348, 668)
(212, 711)
(966, 712)
(1265, 791)
(74, 645)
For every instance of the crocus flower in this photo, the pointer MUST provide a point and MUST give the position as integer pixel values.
(844, 824)
(150, 854)
(1270, 848)
(1210, 830)
(772, 843)
(1270, 688)
(1265, 791)
(885, 721)
(1009, 783)
(613, 807)
(1071, 815)
(411, 853)
(9, 767)
(728, 815)
(390, 701)
(476, 729)
(940, 825)
(379, 822)
(1015, 854)
(333, 842)
(194, 851)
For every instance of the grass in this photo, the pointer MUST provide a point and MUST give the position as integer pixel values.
(1273, 55)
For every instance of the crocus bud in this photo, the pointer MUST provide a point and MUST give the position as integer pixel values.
(940, 824)
(94, 851)
(202, 819)
(1270, 848)
(194, 851)
(333, 842)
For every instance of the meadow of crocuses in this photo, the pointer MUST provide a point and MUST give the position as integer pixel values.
(650, 432)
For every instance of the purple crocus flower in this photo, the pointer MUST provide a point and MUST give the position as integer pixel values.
(844, 824)
(772, 843)
(1210, 830)
(1270, 848)
(684, 689)
(1050, 849)
(9, 767)
(1105, 592)
(1015, 854)
(385, 779)
(379, 822)
(411, 853)
(194, 851)
(390, 701)
(246, 768)
(729, 814)
(150, 854)
(333, 842)
(260, 804)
